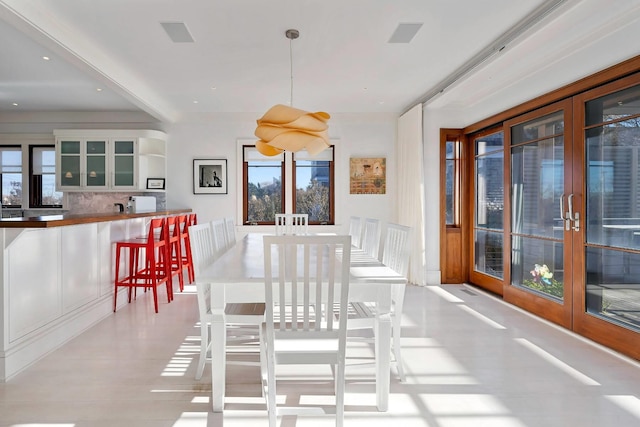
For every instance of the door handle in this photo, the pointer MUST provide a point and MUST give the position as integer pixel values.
(575, 217)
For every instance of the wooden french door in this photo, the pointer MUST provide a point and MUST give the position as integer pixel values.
(607, 251)
(572, 214)
(555, 207)
(542, 211)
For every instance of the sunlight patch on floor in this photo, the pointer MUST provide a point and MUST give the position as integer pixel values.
(584, 379)
(629, 403)
(448, 296)
(482, 317)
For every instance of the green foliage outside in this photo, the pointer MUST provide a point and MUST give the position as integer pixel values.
(314, 201)
(264, 202)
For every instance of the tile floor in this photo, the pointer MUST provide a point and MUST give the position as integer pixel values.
(471, 361)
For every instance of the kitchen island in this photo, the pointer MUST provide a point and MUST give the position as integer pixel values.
(57, 279)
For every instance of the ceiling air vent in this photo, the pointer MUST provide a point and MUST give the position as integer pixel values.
(405, 32)
(177, 32)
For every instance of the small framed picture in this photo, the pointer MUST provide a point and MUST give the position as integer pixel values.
(210, 176)
(155, 183)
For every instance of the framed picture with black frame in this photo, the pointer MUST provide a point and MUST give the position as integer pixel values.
(210, 176)
(155, 183)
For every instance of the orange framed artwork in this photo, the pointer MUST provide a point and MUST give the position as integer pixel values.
(368, 175)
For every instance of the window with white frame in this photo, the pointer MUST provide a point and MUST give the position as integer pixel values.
(287, 183)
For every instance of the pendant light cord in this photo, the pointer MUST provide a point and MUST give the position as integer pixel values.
(291, 69)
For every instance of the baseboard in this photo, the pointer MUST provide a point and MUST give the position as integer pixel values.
(52, 336)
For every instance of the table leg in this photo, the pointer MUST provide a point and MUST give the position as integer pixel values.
(383, 348)
(218, 348)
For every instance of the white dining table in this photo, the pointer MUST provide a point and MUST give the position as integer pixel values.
(238, 277)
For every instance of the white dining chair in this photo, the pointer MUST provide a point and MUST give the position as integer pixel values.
(355, 231)
(396, 254)
(371, 237)
(292, 224)
(204, 253)
(296, 329)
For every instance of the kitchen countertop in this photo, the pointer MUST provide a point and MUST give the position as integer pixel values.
(47, 221)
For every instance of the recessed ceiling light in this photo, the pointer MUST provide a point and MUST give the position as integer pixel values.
(364, 88)
(195, 102)
(46, 58)
(213, 88)
(15, 104)
(381, 102)
(99, 89)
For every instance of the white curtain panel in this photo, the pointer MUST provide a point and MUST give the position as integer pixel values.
(410, 195)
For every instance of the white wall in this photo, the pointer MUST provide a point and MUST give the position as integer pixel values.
(215, 137)
(357, 135)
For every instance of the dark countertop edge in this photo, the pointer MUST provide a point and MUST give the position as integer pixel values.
(48, 221)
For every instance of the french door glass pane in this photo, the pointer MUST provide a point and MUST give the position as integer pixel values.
(615, 106)
(488, 253)
(613, 184)
(489, 204)
(489, 191)
(538, 265)
(613, 286)
(537, 182)
(540, 128)
(489, 143)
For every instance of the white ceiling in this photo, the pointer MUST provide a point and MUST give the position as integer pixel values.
(342, 62)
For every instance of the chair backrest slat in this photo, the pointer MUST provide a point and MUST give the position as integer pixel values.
(371, 237)
(355, 231)
(203, 251)
(397, 248)
(292, 224)
(231, 231)
(220, 235)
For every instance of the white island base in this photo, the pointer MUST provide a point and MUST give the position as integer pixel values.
(56, 283)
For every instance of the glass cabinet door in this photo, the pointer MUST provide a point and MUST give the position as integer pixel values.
(123, 163)
(96, 163)
(69, 164)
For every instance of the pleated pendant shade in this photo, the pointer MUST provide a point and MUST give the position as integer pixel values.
(284, 128)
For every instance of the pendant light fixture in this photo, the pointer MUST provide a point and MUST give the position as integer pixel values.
(284, 128)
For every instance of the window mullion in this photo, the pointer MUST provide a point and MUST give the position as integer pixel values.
(289, 190)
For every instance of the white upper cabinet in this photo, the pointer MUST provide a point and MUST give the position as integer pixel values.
(110, 160)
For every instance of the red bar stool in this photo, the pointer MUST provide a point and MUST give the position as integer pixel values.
(187, 258)
(174, 252)
(147, 263)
